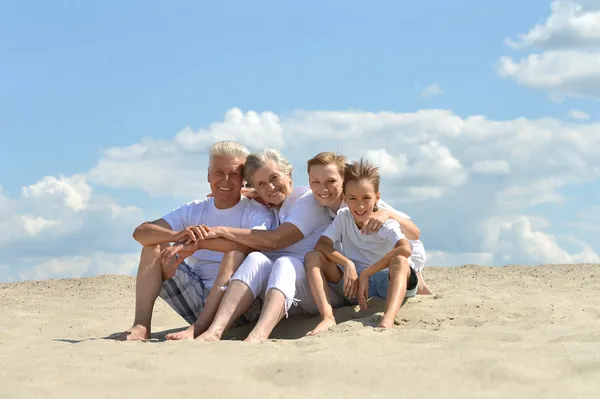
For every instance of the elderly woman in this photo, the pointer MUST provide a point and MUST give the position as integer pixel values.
(277, 273)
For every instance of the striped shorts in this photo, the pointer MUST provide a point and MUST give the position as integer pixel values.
(186, 294)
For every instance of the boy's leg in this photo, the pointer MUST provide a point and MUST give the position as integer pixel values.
(400, 273)
(319, 272)
(246, 284)
(229, 264)
(423, 287)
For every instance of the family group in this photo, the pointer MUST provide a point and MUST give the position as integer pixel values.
(258, 249)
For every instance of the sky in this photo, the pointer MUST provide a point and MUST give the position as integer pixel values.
(483, 118)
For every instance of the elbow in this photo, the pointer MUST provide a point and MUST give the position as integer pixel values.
(417, 233)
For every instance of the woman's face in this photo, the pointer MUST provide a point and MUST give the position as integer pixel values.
(271, 184)
(361, 199)
(326, 183)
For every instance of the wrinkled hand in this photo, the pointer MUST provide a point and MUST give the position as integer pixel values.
(192, 234)
(374, 222)
(350, 281)
(183, 250)
(363, 292)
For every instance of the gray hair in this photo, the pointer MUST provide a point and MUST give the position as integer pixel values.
(228, 149)
(257, 160)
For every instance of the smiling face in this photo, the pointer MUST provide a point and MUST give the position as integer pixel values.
(225, 179)
(272, 185)
(326, 185)
(361, 198)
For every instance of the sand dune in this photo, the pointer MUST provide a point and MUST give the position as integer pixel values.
(522, 332)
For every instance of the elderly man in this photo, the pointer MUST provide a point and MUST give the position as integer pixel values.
(191, 282)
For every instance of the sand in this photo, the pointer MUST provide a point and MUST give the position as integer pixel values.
(490, 332)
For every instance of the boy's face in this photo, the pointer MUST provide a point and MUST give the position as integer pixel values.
(361, 199)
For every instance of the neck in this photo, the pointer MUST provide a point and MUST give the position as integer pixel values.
(226, 204)
(335, 205)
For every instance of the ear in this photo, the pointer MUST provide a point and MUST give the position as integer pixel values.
(208, 176)
(378, 197)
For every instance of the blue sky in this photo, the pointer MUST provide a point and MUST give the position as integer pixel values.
(80, 77)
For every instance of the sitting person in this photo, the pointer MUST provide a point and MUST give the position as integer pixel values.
(191, 282)
(365, 256)
(326, 177)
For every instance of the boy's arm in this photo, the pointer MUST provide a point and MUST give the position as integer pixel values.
(402, 248)
(325, 246)
(409, 229)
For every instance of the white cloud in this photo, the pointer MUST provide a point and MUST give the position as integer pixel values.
(569, 64)
(471, 184)
(572, 24)
(491, 167)
(564, 73)
(461, 179)
(432, 90)
(578, 115)
(73, 191)
(61, 218)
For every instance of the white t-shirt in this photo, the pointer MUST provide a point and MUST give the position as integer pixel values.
(363, 249)
(302, 210)
(417, 258)
(246, 214)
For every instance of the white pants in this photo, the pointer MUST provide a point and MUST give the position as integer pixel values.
(285, 273)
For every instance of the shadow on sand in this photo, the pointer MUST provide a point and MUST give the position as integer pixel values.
(288, 329)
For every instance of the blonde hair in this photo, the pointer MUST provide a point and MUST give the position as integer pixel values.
(228, 149)
(361, 170)
(328, 158)
(257, 160)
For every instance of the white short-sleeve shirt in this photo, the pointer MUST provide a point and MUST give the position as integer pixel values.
(418, 256)
(363, 249)
(302, 210)
(246, 214)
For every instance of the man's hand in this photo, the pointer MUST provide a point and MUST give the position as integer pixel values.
(192, 234)
(183, 250)
(375, 221)
(350, 281)
(363, 291)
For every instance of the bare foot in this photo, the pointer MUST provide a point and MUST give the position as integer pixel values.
(386, 324)
(423, 288)
(178, 336)
(255, 338)
(324, 325)
(209, 336)
(135, 333)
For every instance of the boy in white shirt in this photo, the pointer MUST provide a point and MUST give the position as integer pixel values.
(365, 256)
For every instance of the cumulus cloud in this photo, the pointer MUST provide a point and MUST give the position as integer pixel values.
(54, 226)
(461, 179)
(569, 64)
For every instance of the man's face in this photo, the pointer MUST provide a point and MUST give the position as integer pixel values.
(225, 178)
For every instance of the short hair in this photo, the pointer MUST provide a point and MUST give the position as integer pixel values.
(361, 170)
(328, 158)
(227, 148)
(258, 159)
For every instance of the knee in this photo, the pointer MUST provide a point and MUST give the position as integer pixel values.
(313, 259)
(150, 255)
(398, 265)
(231, 261)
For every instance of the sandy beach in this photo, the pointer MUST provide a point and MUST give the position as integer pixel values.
(489, 332)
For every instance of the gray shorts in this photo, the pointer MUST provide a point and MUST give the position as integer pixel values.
(186, 294)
